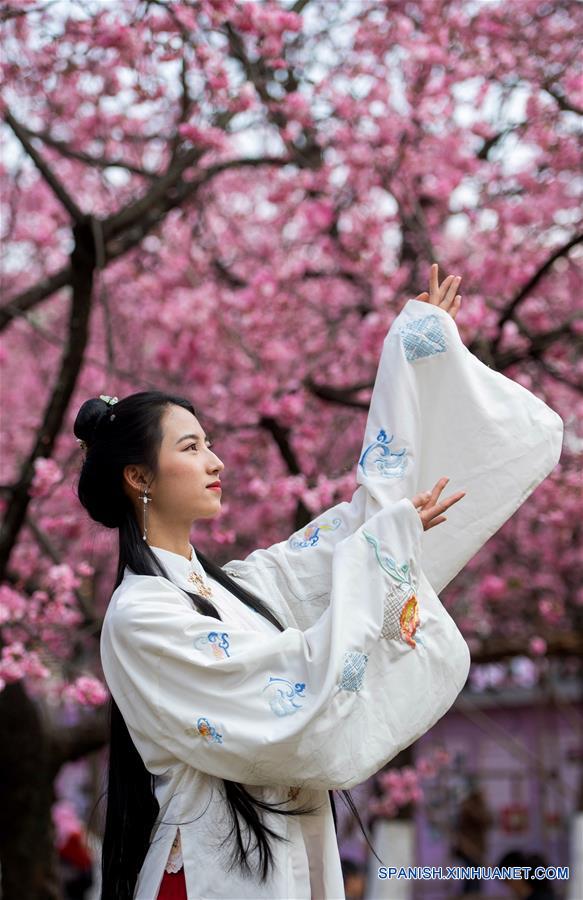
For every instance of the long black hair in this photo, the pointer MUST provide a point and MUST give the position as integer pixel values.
(116, 435)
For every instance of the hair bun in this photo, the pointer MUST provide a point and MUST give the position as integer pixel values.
(88, 418)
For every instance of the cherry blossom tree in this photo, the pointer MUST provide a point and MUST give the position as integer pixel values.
(233, 200)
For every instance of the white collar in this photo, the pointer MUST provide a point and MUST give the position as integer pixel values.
(177, 566)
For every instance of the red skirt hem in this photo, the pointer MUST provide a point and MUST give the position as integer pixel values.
(173, 886)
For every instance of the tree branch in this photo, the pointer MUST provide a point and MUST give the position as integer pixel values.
(280, 435)
(562, 101)
(7, 14)
(29, 298)
(538, 343)
(97, 162)
(73, 742)
(47, 547)
(258, 73)
(45, 170)
(525, 290)
(341, 396)
(83, 265)
(559, 644)
(558, 376)
(137, 222)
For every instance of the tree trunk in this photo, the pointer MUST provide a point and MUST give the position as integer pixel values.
(27, 846)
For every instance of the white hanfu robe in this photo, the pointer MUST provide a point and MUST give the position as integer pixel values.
(369, 659)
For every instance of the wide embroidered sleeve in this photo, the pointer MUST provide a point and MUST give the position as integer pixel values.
(435, 410)
(322, 708)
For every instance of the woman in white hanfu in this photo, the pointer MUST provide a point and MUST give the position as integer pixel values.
(243, 695)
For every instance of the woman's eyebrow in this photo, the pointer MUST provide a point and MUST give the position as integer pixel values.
(188, 436)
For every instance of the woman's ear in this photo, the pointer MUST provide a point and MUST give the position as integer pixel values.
(134, 477)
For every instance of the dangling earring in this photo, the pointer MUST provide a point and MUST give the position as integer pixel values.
(145, 500)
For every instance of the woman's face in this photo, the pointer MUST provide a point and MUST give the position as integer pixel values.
(187, 466)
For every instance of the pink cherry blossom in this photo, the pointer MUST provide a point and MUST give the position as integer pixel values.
(66, 821)
(12, 604)
(87, 691)
(492, 587)
(262, 281)
(46, 474)
(537, 645)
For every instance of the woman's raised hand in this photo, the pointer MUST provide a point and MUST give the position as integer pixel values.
(429, 509)
(443, 295)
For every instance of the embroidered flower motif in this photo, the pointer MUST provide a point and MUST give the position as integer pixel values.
(401, 617)
(215, 641)
(409, 620)
(401, 609)
(311, 534)
(207, 730)
(387, 463)
(353, 670)
(423, 337)
(283, 694)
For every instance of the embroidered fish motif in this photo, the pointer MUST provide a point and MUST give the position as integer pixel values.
(423, 337)
(215, 641)
(283, 694)
(353, 668)
(207, 730)
(311, 534)
(387, 463)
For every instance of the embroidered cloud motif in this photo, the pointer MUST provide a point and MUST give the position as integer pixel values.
(215, 644)
(283, 695)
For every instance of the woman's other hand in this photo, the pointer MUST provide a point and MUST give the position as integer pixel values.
(429, 509)
(443, 295)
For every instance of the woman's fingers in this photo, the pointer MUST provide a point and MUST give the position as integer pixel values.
(443, 288)
(421, 499)
(450, 293)
(447, 290)
(444, 295)
(438, 487)
(428, 507)
(445, 504)
(435, 522)
(433, 281)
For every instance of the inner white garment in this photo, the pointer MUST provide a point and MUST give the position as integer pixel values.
(233, 612)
